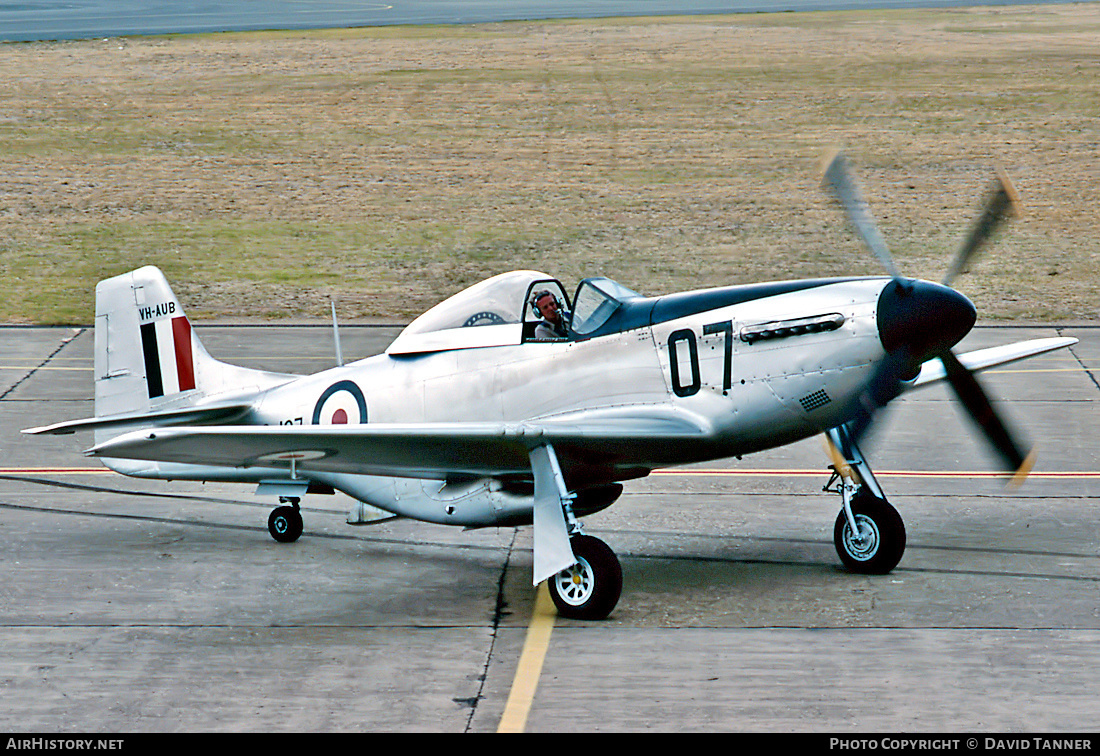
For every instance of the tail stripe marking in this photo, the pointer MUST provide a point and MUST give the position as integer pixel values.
(185, 366)
(169, 360)
(152, 360)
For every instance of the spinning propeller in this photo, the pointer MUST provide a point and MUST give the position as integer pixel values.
(920, 320)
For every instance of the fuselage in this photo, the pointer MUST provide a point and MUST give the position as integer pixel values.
(758, 389)
(758, 366)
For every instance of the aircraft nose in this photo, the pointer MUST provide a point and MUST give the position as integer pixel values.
(925, 317)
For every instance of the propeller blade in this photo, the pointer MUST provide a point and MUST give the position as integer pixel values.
(883, 387)
(838, 177)
(843, 469)
(1018, 460)
(903, 351)
(1001, 201)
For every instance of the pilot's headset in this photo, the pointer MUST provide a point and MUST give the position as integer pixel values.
(539, 295)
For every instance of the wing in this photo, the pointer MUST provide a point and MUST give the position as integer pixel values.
(933, 370)
(420, 450)
(439, 450)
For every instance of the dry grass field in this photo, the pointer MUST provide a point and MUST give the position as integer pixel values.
(388, 168)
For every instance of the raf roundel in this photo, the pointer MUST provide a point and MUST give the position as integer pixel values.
(342, 403)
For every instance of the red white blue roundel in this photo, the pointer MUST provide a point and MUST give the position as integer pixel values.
(342, 403)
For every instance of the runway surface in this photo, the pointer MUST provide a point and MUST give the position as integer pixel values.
(136, 606)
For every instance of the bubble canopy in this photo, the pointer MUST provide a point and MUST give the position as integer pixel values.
(490, 313)
(499, 312)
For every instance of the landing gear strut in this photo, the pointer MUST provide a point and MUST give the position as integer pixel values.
(582, 574)
(285, 522)
(869, 534)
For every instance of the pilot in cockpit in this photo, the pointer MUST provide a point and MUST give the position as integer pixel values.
(554, 324)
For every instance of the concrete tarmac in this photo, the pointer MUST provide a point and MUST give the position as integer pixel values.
(137, 606)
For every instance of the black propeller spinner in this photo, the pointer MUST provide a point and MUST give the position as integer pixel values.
(921, 320)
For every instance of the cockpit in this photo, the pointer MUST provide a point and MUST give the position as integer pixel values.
(500, 311)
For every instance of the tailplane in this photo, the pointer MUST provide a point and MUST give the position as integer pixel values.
(151, 368)
(148, 358)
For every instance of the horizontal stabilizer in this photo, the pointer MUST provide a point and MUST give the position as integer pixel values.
(223, 413)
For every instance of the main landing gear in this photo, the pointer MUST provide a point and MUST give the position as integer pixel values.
(582, 574)
(590, 588)
(285, 522)
(869, 534)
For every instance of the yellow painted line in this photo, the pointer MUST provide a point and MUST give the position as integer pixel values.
(698, 472)
(777, 473)
(43, 367)
(1040, 370)
(53, 470)
(526, 680)
(701, 473)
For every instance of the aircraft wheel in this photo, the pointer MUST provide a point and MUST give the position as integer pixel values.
(285, 524)
(878, 546)
(589, 589)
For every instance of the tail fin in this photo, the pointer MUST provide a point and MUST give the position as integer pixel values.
(151, 368)
(144, 347)
(147, 357)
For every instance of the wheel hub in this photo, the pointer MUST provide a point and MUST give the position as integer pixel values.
(575, 584)
(862, 545)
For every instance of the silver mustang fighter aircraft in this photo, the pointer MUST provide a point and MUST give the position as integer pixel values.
(472, 418)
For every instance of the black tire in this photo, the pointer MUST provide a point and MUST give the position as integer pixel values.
(884, 542)
(285, 524)
(590, 589)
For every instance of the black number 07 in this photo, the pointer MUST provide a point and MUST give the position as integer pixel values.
(680, 387)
